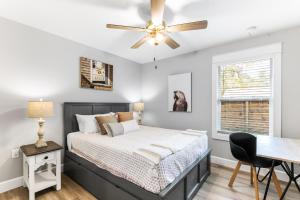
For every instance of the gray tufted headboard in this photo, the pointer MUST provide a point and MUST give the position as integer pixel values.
(86, 108)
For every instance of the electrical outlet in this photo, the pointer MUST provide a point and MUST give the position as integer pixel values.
(15, 153)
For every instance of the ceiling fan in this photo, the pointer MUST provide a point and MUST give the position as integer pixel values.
(157, 29)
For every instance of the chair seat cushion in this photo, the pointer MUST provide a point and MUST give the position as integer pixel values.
(264, 162)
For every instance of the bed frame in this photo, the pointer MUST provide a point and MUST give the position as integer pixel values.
(106, 186)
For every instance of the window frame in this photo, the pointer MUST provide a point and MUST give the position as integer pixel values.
(273, 52)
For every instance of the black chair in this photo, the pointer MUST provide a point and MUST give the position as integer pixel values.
(243, 148)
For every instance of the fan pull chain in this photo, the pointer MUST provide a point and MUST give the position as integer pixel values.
(154, 60)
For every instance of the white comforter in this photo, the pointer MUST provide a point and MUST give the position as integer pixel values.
(117, 155)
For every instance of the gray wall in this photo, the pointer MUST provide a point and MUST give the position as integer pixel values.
(36, 64)
(154, 83)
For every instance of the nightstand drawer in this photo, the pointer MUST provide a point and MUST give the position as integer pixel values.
(45, 158)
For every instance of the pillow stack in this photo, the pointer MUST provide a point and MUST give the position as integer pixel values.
(130, 125)
(124, 116)
(125, 124)
(102, 120)
(114, 129)
(110, 124)
(89, 124)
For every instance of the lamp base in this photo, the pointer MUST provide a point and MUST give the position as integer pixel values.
(140, 118)
(40, 143)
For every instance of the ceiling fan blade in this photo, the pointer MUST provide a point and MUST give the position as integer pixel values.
(157, 11)
(141, 42)
(170, 42)
(188, 26)
(121, 27)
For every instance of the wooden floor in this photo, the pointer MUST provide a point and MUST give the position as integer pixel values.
(215, 188)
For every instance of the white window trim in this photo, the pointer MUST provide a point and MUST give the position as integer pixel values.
(272, 51)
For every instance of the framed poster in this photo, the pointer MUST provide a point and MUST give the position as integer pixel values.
(95, 74)
(180, 92)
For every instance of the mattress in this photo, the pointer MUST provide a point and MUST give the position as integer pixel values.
(116, 155)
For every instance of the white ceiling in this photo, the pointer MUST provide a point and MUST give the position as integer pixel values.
(84, 21)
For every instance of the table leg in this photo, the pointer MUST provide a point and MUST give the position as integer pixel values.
(295, 179)
(291, 173)
(31, 179)
(286, 189)
(283, 167)
(58, 171)
(296, 183)
(292, 176)
(25, 171)
(269, 180)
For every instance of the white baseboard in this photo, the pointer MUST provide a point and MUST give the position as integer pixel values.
(15, 183)
(232, 164)
(11, 184)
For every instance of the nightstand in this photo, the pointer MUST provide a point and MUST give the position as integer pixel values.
(34, 158)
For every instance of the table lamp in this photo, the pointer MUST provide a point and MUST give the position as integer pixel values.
(139, 107)
(40, 109)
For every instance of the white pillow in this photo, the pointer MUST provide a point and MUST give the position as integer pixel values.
(130, 125)
(88, 123)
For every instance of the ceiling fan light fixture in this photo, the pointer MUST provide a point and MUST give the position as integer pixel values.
(156, 23)
(150, 26)
(156, 29)
(153, 27)
(159, 37)
(153, 42)
(156, 38)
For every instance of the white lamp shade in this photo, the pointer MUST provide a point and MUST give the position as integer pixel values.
(39, 109)
(138, 107)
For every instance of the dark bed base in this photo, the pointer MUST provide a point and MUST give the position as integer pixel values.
(104, 185)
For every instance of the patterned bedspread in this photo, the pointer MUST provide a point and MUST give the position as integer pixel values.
(115, 154)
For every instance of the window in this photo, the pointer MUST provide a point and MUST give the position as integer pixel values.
(246, 92)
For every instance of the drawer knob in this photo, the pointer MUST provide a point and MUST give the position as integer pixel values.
(46, 157)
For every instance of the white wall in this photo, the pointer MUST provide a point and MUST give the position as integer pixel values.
(36, 64)
(154, 83)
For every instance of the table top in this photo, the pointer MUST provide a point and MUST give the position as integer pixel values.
(284, 149)
(31, 150)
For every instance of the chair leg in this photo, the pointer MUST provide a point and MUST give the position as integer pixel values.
(255, 181)
(251, 175)
(277, 184)
(235, 172)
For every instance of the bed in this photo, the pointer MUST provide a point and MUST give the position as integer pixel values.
(124, 182)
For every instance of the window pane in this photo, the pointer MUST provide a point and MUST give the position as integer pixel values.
(247, 80)
(244, 94)
(245, 116)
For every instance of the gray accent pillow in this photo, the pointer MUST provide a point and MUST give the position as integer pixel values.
(114, 129)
